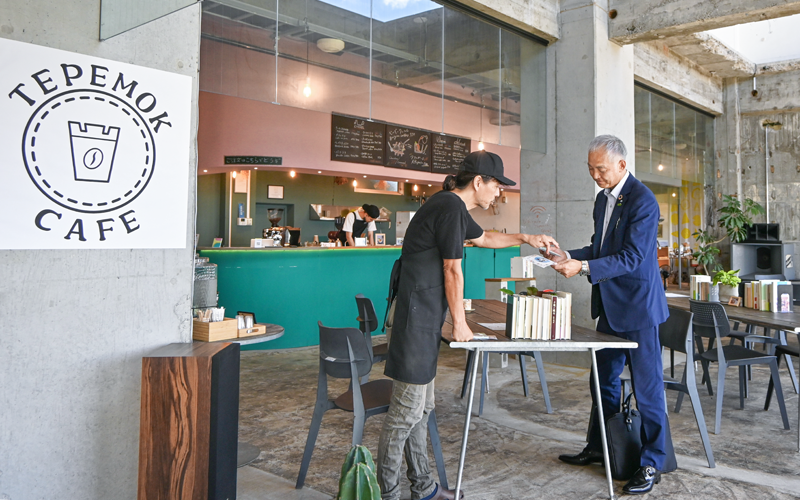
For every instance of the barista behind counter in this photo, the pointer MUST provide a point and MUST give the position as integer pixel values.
(355, 223)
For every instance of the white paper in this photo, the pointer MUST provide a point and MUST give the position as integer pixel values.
(95, 152)
(493, 326)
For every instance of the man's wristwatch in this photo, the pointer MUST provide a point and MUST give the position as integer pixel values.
(584, 268)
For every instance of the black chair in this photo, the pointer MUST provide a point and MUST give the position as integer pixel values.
(781, 351)
(536, 355)
(711, 317)
(344, 353)
(676, 334)
(368, 323)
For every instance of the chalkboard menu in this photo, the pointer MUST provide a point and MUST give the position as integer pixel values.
(447, 152)
(357, 140)
(408, 148)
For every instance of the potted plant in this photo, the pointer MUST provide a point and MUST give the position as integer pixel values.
(728, 282)
(735, 219)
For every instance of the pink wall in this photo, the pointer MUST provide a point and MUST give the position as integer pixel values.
(238, 126)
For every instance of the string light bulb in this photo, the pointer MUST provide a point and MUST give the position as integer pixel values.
(674, 195)
(292, 174)
(415, 187)
(355, 183)
(660, 167)
(481, 147)
(233, 174)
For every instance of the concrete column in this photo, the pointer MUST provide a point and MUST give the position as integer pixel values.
(589, 92)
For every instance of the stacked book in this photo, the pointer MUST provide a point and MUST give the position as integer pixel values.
(769, 295)
(548, 317)
(699, 287)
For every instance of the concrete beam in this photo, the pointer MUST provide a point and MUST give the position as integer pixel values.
(713, 55)
(643, 20)
(779, 67)
(658, 67)
(538, 17)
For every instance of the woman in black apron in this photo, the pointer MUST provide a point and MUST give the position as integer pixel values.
(429, 281)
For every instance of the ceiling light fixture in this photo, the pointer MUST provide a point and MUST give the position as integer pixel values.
(205, 170)
(233, 174)
(292, 174)
(415, 187)
(330, 45)
(660, 167)
(355, 183)
(319, 171)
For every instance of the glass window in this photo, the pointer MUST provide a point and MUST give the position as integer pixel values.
(413, 63)
(674, 151)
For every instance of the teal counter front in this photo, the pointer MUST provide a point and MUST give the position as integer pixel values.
(295, 288)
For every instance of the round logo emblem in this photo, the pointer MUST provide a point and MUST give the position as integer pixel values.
(89, 151)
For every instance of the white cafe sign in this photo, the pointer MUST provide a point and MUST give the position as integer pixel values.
(93, 153)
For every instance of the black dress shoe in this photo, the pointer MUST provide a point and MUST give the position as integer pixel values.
(585, 457)
(642, 482)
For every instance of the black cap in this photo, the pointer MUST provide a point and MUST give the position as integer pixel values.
(371, 210)
(486, 163)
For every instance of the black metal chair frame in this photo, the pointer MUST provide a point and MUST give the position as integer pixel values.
(368, 323)
(712, 316)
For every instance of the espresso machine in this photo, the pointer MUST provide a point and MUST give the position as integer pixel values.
(283, 236)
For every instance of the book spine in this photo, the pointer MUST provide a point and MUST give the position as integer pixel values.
(553, 317)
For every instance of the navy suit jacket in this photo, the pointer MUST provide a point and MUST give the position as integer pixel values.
(624, 272)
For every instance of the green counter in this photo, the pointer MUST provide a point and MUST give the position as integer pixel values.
(295, 288)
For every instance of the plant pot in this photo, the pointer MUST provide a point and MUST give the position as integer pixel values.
(713, 294)
(727, 291)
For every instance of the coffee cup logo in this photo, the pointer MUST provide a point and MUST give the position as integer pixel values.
(71, 143)
(93, 148)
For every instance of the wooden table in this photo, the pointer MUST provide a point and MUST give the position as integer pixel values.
(583, 339)
(247, 452)
(783, 322)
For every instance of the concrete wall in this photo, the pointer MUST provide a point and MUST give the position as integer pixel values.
(658, 67)
(539, 17)
(589, 92)
(778, 100)
(75, 324)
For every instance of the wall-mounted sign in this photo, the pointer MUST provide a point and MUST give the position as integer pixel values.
(95, 153)
(447, 153)
(357, 140)
(253, 160)
(408, 148)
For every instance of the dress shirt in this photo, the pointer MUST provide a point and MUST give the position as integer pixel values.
(611, 195)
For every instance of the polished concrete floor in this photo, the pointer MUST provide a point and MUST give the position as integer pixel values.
(513, 447)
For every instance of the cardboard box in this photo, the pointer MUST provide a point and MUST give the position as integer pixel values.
(218, 330)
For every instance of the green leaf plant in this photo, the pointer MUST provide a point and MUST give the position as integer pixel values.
(735, 219)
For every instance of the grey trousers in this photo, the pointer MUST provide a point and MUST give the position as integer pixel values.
(405, 431)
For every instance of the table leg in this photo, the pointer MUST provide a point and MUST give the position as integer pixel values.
(602, 423)
(470, 400)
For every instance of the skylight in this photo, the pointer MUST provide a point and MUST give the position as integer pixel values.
(385, 10)
(763, 41)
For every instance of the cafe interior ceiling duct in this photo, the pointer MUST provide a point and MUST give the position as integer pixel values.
(466, 73)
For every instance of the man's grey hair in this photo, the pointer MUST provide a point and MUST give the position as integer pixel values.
(612, 145)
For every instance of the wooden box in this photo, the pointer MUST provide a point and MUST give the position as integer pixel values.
(257, 329)
(218, 330)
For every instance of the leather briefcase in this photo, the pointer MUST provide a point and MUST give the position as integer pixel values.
(624, 434)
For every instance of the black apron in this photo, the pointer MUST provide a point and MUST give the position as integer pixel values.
(358, 228)
(419, 315)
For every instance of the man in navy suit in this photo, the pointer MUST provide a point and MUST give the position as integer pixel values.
(627, 296)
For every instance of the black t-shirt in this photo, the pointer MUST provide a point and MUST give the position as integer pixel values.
(443, 222)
